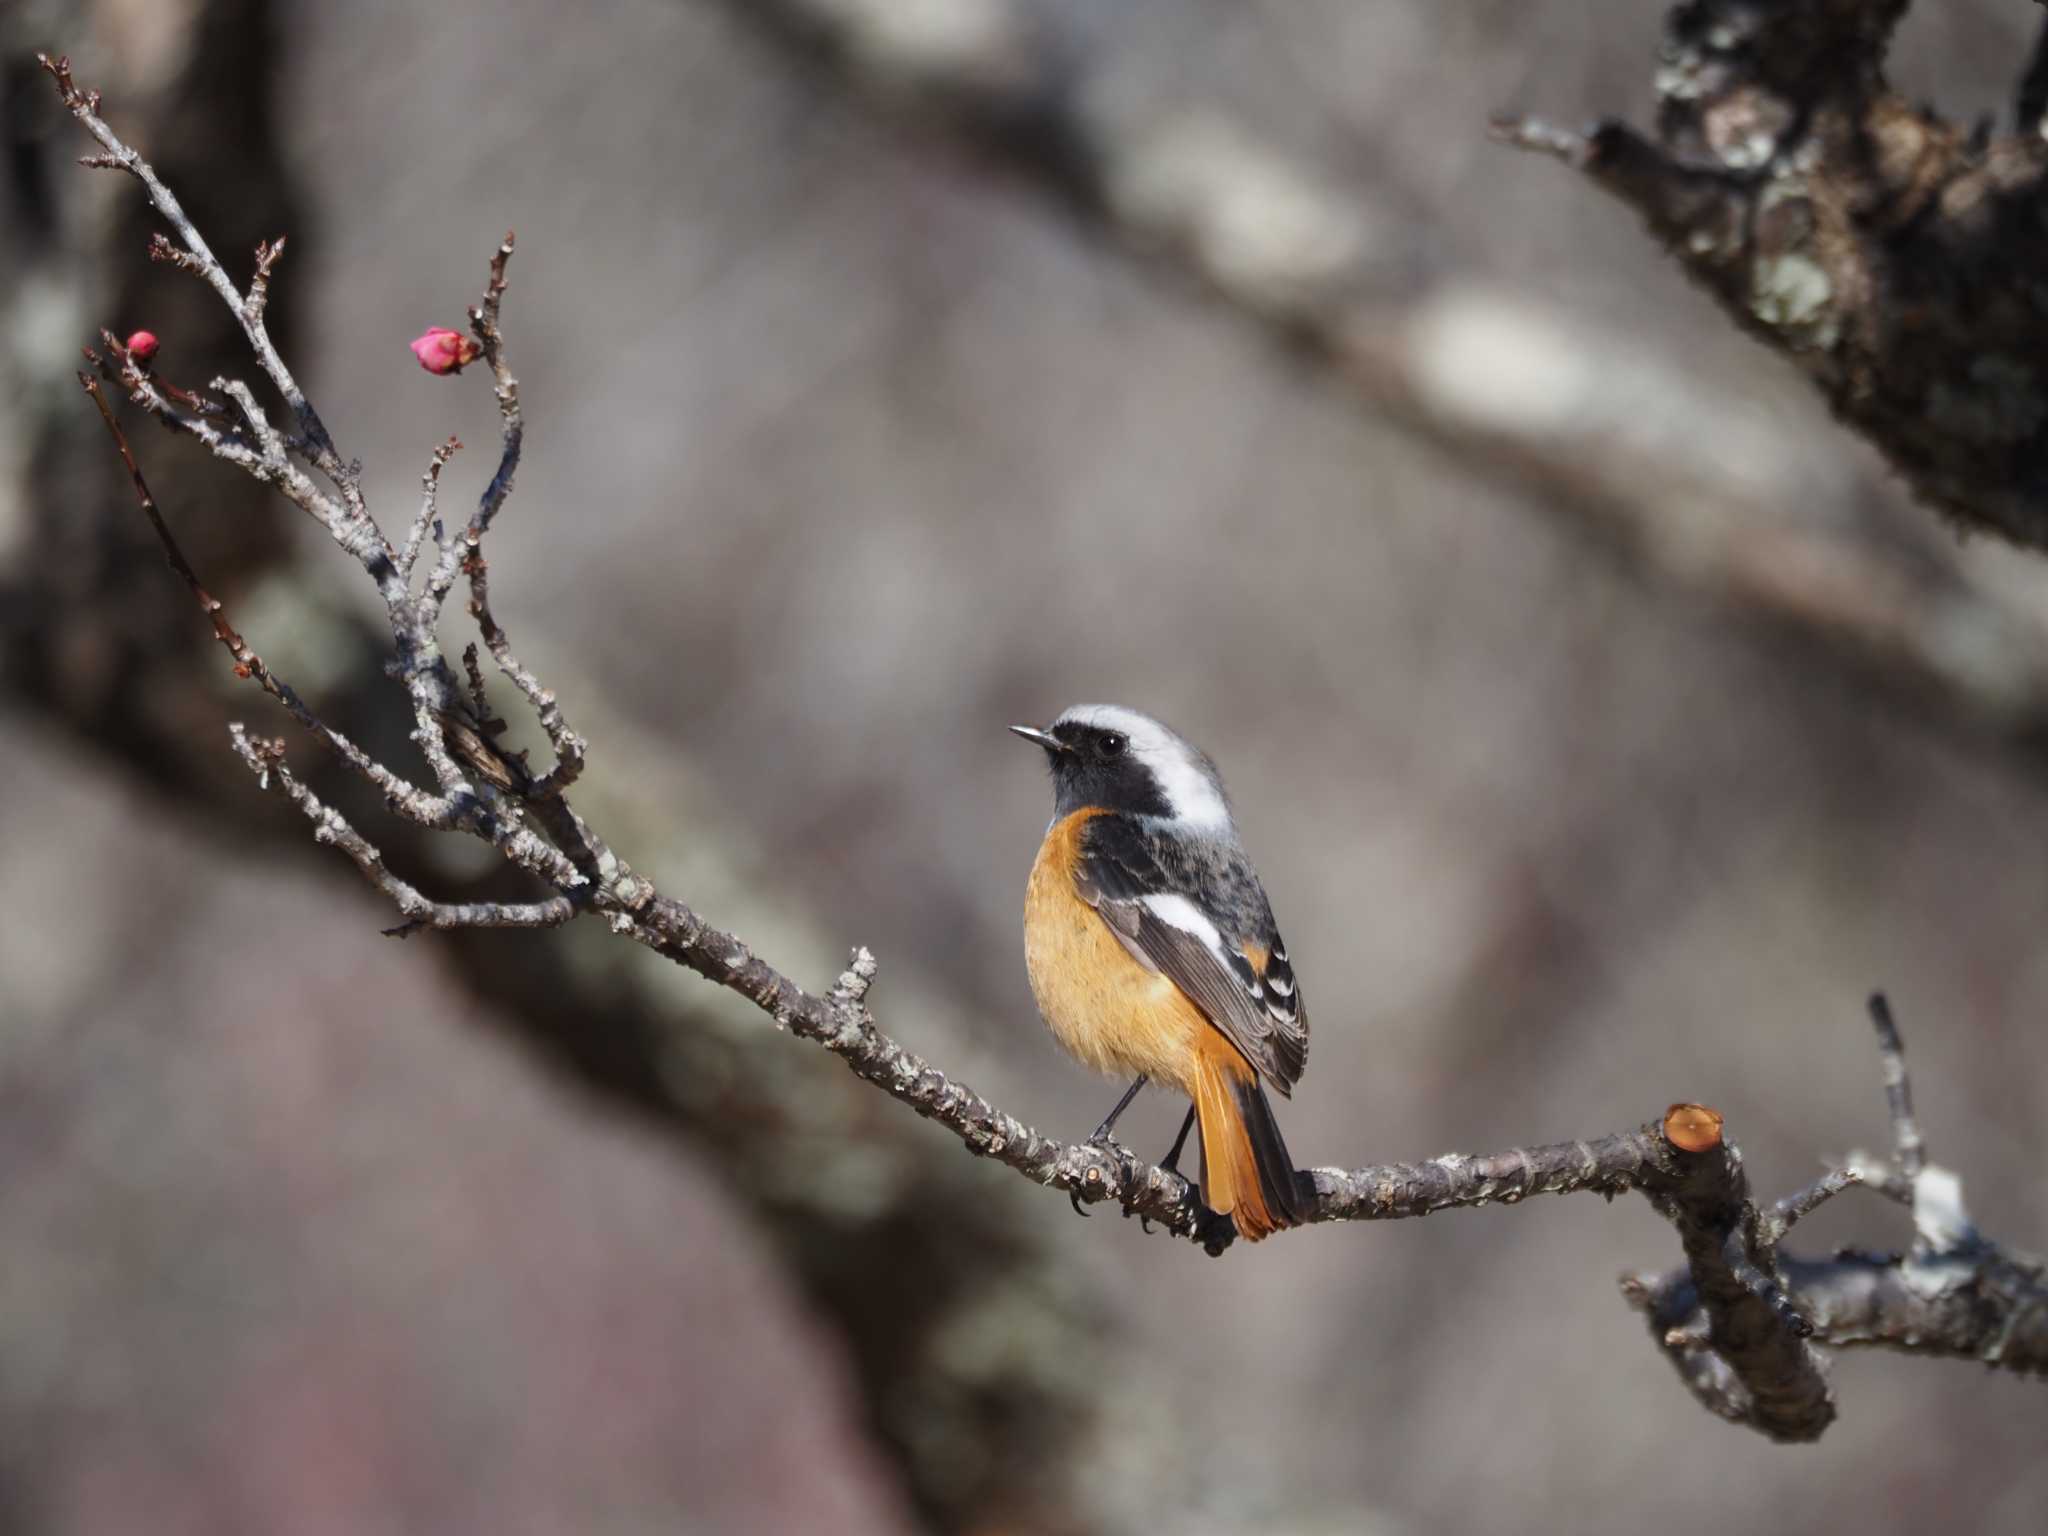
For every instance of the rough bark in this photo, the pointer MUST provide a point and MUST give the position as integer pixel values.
(1893, 255)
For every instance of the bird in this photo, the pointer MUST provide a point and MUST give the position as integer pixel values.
(1153, 953)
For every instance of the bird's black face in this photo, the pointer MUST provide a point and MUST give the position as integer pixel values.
(1093, 766)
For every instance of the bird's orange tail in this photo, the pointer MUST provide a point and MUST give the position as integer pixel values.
(1246, 1172)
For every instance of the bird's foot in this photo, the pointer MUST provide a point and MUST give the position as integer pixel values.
(1215, 1232)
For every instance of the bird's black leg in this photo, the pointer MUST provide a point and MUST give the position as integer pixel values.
(1109, 1121)
(1102, 1132)
(1171, 1162)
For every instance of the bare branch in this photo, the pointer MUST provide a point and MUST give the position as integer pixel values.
(166, 254)
(429, 518)
(1907, 1144)
(1795, 1208)
(428, 681)
(483, 319)
(267, 252)
(198, 257)
(400, 795)
(1954, 1295)
(569, 748)
(331, 828)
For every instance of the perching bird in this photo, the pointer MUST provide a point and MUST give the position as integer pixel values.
(1153, 952)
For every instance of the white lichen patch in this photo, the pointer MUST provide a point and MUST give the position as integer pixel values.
(1940, 1221)
(1792, 294)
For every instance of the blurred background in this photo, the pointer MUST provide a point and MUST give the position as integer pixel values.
(1605, 722)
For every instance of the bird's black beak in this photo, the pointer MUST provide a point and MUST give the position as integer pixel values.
(1045, 739)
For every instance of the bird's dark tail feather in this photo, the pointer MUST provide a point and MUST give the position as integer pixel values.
(1246, 1171)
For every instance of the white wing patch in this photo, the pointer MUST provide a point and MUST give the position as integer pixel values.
(1188, 918)
(1183, 914)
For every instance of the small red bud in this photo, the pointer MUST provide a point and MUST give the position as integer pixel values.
(441, 350)
(142, 346)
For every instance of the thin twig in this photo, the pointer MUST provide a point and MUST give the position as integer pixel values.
(428, 519)
(400, 795)
(267, 253)
(266, 760)
(1794, 1208)
(1907, 1145)
(483, 320)
(569, 748)
(198, 257)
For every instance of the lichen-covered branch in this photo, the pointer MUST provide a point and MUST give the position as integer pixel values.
(1892, 255)
(1737, 1314)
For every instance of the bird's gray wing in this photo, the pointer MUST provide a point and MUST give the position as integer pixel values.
(1208, 930)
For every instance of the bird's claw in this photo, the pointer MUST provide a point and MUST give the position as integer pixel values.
(1074, 1198)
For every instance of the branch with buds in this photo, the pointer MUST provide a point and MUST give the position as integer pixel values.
(1740, 1320)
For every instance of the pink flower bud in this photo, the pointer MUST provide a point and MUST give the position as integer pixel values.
(142, 346)
(441, 350)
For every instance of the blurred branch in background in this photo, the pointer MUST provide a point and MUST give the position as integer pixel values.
(1604, 434)
(1739, 1331)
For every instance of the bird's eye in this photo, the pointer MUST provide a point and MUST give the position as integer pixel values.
(1113, 743)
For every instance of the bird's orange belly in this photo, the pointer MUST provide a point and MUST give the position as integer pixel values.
(1105, 1007)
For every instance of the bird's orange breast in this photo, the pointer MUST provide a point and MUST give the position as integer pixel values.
(1106, 1007)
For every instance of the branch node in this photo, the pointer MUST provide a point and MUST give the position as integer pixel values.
(161, 250)
(267, 253)
(854, 981)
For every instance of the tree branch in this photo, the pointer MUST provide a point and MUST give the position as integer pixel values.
(1886, 252)
(1741, 1320)
(1953, 1295)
